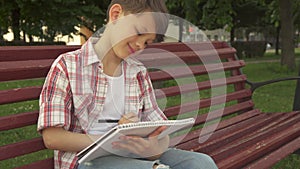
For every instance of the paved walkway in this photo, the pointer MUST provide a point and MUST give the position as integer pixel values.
(267, 61)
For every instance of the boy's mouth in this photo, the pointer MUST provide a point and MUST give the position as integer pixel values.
(131, 49)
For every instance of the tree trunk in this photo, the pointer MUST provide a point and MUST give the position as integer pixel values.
(277, 40)
(30, 38)
(287, 34)
(1, 35)
(16, 23)
(180, 30)
(232, 31)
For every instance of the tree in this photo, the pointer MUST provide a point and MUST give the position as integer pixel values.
(95, 19)
(47, 19)
(4, 19)
(233, 14)
(296, 18)
(10, 17)
(287, 34)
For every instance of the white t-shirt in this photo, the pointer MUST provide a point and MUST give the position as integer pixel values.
(114, 105)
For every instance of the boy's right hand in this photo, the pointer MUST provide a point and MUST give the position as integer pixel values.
(128, 118)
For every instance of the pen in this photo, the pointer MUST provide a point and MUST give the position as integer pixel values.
(108, 121)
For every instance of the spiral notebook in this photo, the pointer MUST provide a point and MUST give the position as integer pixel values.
(103, 145)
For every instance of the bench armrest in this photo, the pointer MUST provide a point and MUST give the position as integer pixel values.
(296, 105)
(255, 85)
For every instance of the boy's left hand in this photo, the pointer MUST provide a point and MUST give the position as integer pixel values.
(144, 147)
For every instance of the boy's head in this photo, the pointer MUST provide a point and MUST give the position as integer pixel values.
(138, 6)
(133, 24)
(157, 8)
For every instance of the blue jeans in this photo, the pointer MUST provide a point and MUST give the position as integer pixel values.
(174, 158)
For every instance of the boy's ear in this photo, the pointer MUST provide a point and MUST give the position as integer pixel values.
(114, 12)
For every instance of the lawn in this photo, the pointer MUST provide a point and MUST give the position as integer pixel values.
(272, 98)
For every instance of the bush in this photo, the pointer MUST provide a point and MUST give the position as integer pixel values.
(22, 43)
(250, 49)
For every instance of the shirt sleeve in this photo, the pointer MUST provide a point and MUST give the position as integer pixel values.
(151, 110)
(55, 98)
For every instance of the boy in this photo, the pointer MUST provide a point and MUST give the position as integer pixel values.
(99, 82)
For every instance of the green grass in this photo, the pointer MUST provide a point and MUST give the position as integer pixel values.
(272, 98)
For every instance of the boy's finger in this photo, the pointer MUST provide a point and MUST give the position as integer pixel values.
(158, 131)
(128, 118)
(129, 115)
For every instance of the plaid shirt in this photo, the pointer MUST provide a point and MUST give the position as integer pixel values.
(75, 90)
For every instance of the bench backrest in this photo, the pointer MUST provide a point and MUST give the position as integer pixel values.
(201, 80)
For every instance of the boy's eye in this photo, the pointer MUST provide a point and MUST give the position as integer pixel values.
(137, 32)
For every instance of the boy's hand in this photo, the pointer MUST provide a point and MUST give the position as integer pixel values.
(145, 147)
(129, 118)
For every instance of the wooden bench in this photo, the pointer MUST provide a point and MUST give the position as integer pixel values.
(190, 79)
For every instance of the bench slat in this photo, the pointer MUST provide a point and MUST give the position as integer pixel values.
(15, 53)
(18, 120)
(206, 118)
(21, 148)
(18, 53)
(239, 131)
(217, 135)
(181, 72)
(247, 138)
(19, 94)
(248, 105)
(203, 103)
(24, 69)
(184, 143)
(249, 154)
(179, 46)
(43, 164)
(166, 58)
(183, 89)
(269, 160)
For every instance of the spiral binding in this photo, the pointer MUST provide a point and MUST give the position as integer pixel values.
(155, 123)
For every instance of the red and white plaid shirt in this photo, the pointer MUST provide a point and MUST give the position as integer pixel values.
(75, 89)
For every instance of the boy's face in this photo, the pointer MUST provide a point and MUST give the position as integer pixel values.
(131, 33)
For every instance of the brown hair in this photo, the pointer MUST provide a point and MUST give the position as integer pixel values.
(138, 6)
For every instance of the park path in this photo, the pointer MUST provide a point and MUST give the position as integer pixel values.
(267, 61)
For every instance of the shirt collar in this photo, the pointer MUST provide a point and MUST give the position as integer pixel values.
(89, 55)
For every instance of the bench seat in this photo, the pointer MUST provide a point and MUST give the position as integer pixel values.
(201, 80)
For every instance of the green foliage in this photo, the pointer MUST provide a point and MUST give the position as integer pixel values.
(249, 48)
(47, 19)
(4, 21)
(218, 13)
(190, 10)
(233, 13)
